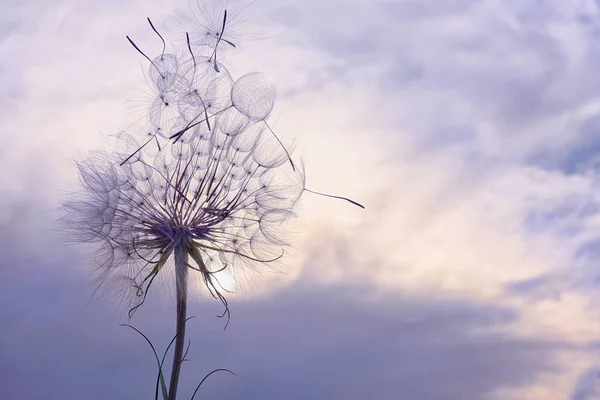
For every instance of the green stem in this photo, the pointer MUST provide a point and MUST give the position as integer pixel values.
(181, 274)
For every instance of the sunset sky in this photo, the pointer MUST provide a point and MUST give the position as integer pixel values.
(470, 130)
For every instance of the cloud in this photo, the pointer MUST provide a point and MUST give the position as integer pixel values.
(587, 386)
(499, 112)
(502, 80)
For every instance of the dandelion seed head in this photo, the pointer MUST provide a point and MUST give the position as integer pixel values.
(218, 192)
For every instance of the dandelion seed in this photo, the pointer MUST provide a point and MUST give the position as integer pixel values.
(208, 26)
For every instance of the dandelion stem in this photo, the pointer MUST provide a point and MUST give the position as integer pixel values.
(181, 272)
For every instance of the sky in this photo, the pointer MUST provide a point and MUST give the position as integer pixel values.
(468, 129)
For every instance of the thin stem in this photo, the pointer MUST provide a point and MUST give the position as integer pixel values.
(181, 272)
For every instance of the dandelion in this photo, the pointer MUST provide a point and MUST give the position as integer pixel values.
(203, 187)
(210, 204)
